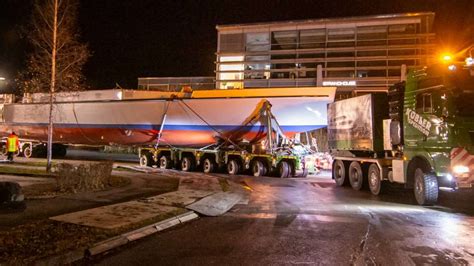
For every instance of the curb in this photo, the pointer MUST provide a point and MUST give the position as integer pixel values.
(117, 241)
(125, 238)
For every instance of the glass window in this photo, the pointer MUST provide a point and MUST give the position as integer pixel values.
(402, 52)
(341, 64)
(371, 73)
(228, 72)
(401, 29)
(311, 55)
(283, 40)
(371, 43)
(372, 53)
(424, 103)
(312, 38)
(340, 54)
(372, 33)
(407, 62)
(258, 41)
(372, 63)
(340, 74)
(346, 34)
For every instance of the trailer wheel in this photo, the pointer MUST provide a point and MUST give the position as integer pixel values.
(233, 167)
(187, 164)
(425, 187)
(356, 176)
(165, 162)
(259, 168)
(28, 151)
(146, 159)
(339, 173)
(374, 179)
(208, 166)
(284, 170)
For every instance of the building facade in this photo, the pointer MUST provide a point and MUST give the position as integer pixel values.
(356, 54)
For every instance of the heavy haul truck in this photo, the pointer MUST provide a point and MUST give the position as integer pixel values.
(420, 134)
(269, 152)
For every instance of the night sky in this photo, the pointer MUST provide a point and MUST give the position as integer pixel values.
(129, 39)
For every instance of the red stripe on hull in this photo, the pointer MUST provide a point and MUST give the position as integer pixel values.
(108, 136)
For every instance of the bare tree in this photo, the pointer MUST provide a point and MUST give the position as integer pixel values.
(58, 56)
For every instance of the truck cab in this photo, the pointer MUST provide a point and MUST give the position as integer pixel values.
(438, 132)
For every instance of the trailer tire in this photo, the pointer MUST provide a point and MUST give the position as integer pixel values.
(187, 164)
(374, 178)
(146, 159)
(28, 151)
(356, 175)
(165, 162)
(425, 188)
(233, 167)
(208, 166)
(339, 173)
(284, 170)
(259, 168)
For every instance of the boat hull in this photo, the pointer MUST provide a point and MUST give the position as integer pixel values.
(189, 122)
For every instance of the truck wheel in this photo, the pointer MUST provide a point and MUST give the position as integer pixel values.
(339, 173)
(28, 151)
(187, 164)
(375, 179)
(356, 177)
(284, 169)
(259, 168)
(165, 162)
(146, 160)
(426, 188)
(233, 167)
(208, 166)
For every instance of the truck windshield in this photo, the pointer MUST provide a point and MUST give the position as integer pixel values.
(464, 101)
(463, 83)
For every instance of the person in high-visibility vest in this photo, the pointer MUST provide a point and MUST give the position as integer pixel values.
(12, 145)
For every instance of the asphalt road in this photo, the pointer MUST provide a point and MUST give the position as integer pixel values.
(310, 221)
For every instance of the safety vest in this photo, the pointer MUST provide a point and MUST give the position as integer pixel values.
(12, 143)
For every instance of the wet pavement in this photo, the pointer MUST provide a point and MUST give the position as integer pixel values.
(310, 221)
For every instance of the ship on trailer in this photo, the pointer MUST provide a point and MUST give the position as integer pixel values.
(135, 118)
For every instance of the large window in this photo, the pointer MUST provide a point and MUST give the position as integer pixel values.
(312, 39)
(284, 40)
(231, 72)
(259, 41)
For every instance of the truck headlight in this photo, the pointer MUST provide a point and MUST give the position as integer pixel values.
(460, 169)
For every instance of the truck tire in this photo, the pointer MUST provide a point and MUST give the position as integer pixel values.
(187, 164)
(356, 176)
(284, 170)
(259, 168)
(374, 178)
(233, 167)
(146, 159)
(425, 188)
(208, 166)
(28, 151)
(165, 162)
(339, 173)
